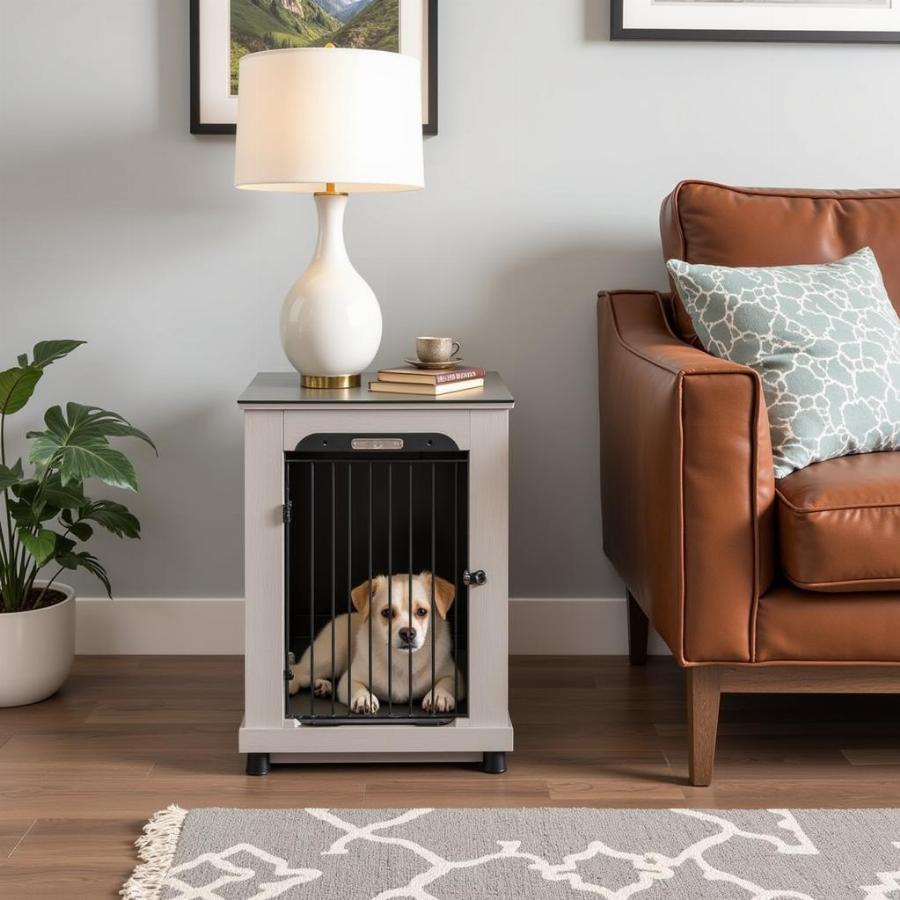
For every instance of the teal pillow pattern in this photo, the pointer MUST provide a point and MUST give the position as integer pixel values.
(825, 341)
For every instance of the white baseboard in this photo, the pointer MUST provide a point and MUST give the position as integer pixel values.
(566, 626)
(155, 626)
(537, 626)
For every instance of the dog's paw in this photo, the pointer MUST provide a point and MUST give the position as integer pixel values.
(322, 688)
(440, 700)
(364, 702)
(294, 686)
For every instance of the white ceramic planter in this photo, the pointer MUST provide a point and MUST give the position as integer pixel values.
(36, 650)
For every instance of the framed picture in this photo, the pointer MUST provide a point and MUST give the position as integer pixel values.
(823, 21)
(222, 31)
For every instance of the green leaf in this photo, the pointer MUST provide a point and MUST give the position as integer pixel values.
(84, 560)
(114, 517)
(89, 422)
(10, 476)
(25, 490)
(70, 496)
(78, 443)
(38, 501)
(94, 459)
(46, 352)
(27, 510)
(81, 530)
(16, 387)
(22, 513)
(64, 545)
(28, 516)
(22, 359)
(41, 546)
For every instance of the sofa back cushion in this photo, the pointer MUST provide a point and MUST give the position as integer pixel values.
(718, 225)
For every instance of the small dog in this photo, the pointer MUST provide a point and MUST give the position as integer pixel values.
(401, 622)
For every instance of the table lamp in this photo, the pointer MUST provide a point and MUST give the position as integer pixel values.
(329, 121)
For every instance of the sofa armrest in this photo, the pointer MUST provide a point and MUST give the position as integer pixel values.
(687, 483)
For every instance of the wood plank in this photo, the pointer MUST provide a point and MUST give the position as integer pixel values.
(477, 790)
(83, 858)
(130, 797)
(166, 711)
(808, 679)
(615, 792)
(11, 833)
(873, 756)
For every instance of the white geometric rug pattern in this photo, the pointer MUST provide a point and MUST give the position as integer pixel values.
(427, 854)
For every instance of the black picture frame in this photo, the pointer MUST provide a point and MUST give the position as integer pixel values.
(198, 127)
(618, 32)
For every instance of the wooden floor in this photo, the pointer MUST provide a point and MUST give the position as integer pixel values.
(81, 772)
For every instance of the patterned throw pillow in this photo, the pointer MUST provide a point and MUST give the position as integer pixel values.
(825, 341)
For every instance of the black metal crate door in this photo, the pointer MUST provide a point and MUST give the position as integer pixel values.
(367, 518)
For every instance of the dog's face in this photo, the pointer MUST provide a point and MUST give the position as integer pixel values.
(399, 617)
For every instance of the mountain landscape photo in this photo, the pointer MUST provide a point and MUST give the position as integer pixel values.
(279, 24)
(344, 10)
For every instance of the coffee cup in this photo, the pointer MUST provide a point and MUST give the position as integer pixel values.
(436, 349)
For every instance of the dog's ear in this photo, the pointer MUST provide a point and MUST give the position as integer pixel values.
(444, 592)
(361, 593)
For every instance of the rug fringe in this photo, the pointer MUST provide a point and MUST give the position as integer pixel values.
(156, 850)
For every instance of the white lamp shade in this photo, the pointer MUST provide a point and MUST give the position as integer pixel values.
(312, 116)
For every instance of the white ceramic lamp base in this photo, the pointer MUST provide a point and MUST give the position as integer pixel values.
(330, 319)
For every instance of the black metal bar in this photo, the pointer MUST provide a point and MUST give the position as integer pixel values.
(390, 587)
(288, 587)
(312, 587)
(370, 582)
(433, 576)
(333, 580)
(409, 589)
(382, 458)
(396, 719)
(349, 582)
(456, 586)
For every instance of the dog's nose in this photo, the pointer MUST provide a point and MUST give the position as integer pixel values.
(407, 635)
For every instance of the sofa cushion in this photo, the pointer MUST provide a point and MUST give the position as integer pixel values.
(800, 626)
(839, 524)
(710, 223)
(825, 341)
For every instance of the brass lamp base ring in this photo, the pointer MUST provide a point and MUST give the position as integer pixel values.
(330, 382)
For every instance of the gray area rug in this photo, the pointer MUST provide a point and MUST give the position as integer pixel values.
(465, 854)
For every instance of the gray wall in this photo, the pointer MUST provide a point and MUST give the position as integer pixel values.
(556, 147)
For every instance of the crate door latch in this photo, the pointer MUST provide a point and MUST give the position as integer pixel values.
(474, 579)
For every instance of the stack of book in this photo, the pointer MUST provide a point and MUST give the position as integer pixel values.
(410, 380)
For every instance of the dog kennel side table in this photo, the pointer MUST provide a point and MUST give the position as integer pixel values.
(279, 416)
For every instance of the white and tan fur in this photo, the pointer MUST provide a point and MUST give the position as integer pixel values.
(387, 628)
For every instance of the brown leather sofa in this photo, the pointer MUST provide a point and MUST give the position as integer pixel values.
(756, 585)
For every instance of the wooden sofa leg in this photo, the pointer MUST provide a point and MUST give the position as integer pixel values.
(637, 632)
(703, 691)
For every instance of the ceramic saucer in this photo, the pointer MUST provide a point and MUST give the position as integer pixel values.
(447, 364)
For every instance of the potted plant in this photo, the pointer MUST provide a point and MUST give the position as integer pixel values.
(45, 517)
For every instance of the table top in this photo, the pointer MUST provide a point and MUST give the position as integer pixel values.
(284, 389)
